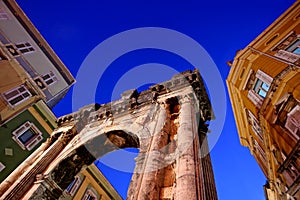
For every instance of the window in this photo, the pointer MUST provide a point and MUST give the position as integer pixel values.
(45, 80)
(25, 47)
(293, 121)
(49, 78)
(12, 50)
(291, 57)
(3, 15)
(40, 83)
(289, 48)
(17, 95)
(90, 195)
(255, 125)
(260, 88)
(72, 188)
(1, 167)
(294, 47)
(27, 136)
(260, 151)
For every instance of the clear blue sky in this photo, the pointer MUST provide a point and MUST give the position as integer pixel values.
(74, 28)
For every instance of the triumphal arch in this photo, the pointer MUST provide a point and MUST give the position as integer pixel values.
(167, 123)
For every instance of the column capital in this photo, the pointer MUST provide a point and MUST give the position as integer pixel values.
(184, 99)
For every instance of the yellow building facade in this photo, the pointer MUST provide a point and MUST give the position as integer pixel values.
(264, 89)
(91, 184)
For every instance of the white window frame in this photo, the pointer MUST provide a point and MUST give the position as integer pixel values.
(293, 121)
(12, 50)
(255, 125)
(49, 77)
(2, 166)
(261, 88)
(264, 77)
(89, 192)
(73, 187)
(24, 94)
(33, 141)
(288, 53)
(257, 100)
(253, 95)
(26, 47)
(293, 46)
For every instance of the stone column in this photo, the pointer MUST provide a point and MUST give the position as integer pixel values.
(207, 182)
(185, 172)
(23, 184)
(153, 160)
(24, 166)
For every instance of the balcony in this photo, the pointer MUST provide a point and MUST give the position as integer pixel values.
(288, 56)
(290, 169)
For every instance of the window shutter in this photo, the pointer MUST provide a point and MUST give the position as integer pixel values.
(264, 77)
(288, 56)
(293, 121)
(255, 98)
(255, 125)
(260, 150)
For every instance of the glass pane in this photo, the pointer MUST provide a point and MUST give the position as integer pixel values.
(48, 82)
(293, 46)
(26, 136)
(257, 85)
(90, 197)
(20, 45)
(262, 93)
(16, 100)
(297, 51)
(265, 87)
(26, 94)
(11, 94)
(71, 185)
(24, 50)
(21, 89)
(47, 76)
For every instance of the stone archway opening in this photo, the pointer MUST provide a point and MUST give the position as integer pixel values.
(118, 167)
(86, 154)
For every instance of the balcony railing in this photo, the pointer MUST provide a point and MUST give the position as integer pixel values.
(290, 169)
(291, 57)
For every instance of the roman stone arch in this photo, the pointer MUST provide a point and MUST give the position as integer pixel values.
(87, 153)
(168, 125)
